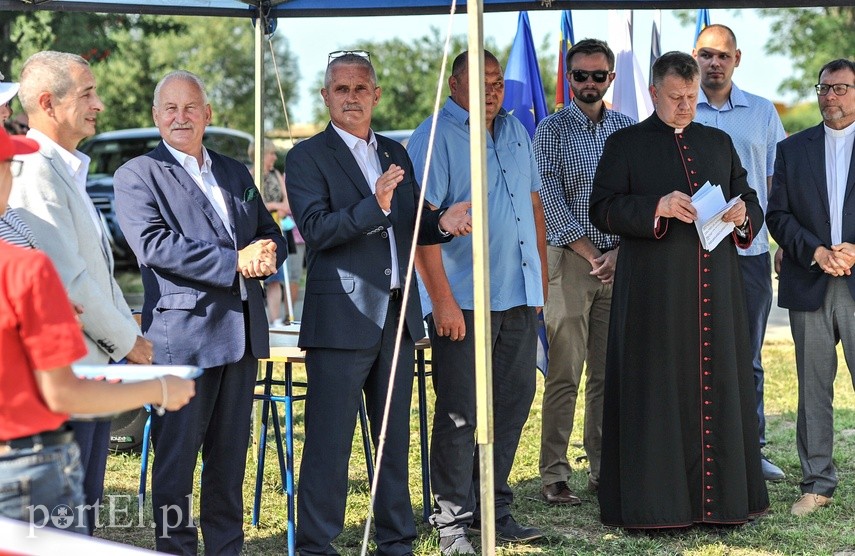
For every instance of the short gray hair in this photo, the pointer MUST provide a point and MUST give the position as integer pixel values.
(183, 75)
(349, 60)
(47, 71)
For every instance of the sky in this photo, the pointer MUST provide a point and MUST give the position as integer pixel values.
(311, 39)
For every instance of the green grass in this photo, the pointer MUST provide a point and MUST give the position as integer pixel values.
(577, 530)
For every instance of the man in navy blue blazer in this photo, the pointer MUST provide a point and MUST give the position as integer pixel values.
(199, 229)
(355, 198)
(810, 216)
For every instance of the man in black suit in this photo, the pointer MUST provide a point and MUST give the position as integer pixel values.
(809, 216)
(355, 197)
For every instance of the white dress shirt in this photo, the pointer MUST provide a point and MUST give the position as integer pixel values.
(365, 153)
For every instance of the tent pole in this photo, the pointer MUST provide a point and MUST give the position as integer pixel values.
(481, 274)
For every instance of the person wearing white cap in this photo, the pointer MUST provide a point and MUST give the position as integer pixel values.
(8, 91)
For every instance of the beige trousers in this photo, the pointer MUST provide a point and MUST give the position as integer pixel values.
(577, 327)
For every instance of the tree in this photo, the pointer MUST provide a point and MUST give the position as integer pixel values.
(407, 72)
(801, 116)
(130, 53)
(221, 52)
(810, 37)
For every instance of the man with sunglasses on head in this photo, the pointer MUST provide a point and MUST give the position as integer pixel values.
(755, 128)
(355, 199)
(810, 210)
(567, 146)
(517, 271)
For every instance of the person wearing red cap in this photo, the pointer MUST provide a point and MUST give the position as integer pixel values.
(39, 339)
(12, 229)
(59, 94)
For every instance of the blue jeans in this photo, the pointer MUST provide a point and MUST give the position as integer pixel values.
(757, 287)
(44, 487)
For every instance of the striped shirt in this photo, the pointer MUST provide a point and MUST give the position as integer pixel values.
(568, 146)
(13, 230)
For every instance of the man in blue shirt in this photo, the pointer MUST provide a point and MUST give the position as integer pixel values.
(755, 128)
(517, 272)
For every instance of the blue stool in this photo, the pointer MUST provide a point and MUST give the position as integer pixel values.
(285, 450)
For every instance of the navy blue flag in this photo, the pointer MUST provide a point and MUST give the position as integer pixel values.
(524, 96)
(542, 346)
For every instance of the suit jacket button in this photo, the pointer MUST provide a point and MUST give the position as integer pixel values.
(388, 272)
(235, 291)
(384, 235)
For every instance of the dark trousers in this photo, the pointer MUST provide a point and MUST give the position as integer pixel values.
(453, 454)
(336, 382)
(217, 419)
(757, 287)
(93, 438)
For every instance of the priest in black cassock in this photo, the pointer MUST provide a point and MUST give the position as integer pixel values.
(680, 440)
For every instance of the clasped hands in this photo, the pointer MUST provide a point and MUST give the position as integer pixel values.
(836, 261)
(679, 205)
(258, 259)
(456, 220)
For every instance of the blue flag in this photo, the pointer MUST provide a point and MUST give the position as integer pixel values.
(701, 24)
(524, 96)
(563, 93)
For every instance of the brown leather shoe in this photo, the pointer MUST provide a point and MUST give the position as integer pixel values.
(559, 493)
(809, 502)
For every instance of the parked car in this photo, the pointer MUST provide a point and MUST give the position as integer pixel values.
(402, 136)
(111, 149)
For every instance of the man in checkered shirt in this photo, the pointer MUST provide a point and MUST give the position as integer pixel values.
(568, 146)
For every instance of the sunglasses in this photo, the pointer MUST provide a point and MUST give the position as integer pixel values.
(339, 53)
(580, 76)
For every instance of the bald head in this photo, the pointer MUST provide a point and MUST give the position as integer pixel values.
(717, 57)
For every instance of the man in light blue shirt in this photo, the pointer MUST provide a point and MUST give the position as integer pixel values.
(517, 270)
(753, 124)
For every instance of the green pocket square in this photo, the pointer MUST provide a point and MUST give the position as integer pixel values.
(250, 194)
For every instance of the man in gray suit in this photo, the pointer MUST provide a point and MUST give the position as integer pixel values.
(58, 94)
(355, 197)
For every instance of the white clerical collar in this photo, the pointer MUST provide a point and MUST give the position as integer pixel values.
(845, 132)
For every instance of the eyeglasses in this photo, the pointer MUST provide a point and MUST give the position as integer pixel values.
(838, 88)
(339, 53)
(580, 76)
(15, 166)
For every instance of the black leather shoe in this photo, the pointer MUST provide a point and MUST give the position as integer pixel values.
(508, 530)
(559, 493)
